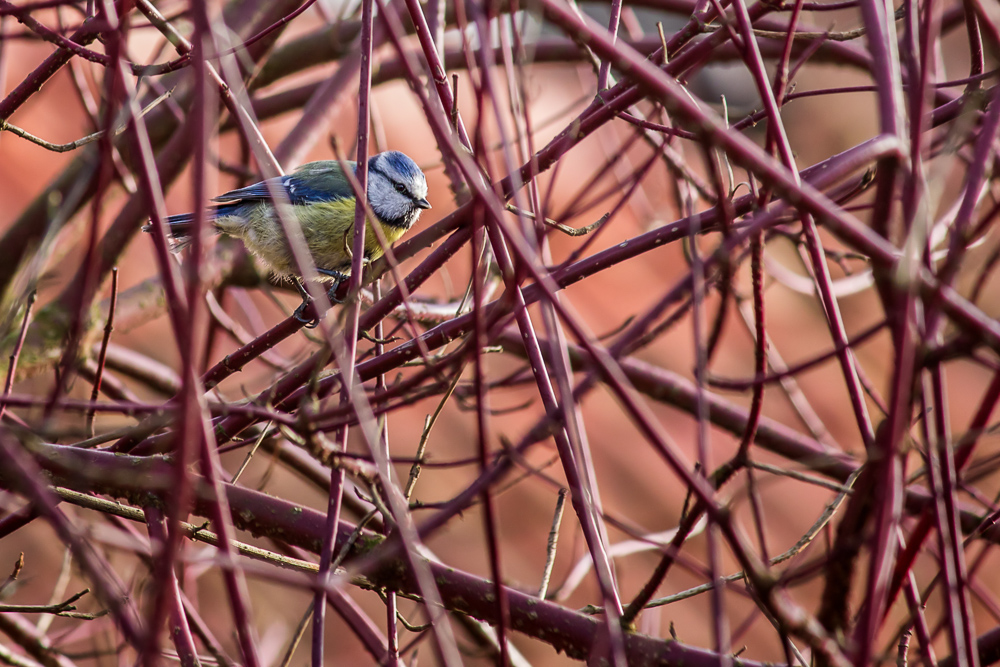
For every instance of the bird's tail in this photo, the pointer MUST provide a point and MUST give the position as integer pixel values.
(180, 228)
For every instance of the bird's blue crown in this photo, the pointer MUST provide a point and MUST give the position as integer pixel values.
(396, 161)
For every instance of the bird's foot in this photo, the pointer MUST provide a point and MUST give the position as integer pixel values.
(300, 315)
(338, 279)
(332, 294)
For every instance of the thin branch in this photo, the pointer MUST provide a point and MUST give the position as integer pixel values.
(79, 143)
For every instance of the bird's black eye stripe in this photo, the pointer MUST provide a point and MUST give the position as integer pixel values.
(400, 188)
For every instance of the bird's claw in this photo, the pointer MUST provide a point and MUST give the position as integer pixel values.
(332, 295)
(338, 280)
(299, 314)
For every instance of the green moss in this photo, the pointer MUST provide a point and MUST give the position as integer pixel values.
(367, 542)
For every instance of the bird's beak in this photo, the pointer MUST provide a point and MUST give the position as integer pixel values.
(422, 203)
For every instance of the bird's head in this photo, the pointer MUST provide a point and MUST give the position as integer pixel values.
(397, 189)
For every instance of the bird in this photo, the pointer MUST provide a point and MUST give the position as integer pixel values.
(322, 204)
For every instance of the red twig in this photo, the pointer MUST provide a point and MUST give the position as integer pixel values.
(16, 352)
(102, 356)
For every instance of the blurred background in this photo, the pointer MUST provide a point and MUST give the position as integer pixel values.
(53, 233)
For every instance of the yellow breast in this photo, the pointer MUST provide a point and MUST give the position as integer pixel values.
(328, 229)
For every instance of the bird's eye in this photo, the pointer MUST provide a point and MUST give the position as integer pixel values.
(400, 188)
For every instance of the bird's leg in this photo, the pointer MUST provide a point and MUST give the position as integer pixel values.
(338, 278)
(299, 313)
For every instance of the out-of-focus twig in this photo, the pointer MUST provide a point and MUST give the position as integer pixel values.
(77, 143)
(16, 351)
(103, 354)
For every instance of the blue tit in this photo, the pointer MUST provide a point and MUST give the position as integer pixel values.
(322, 203)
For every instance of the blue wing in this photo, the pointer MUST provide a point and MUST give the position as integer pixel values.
(313, 182)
